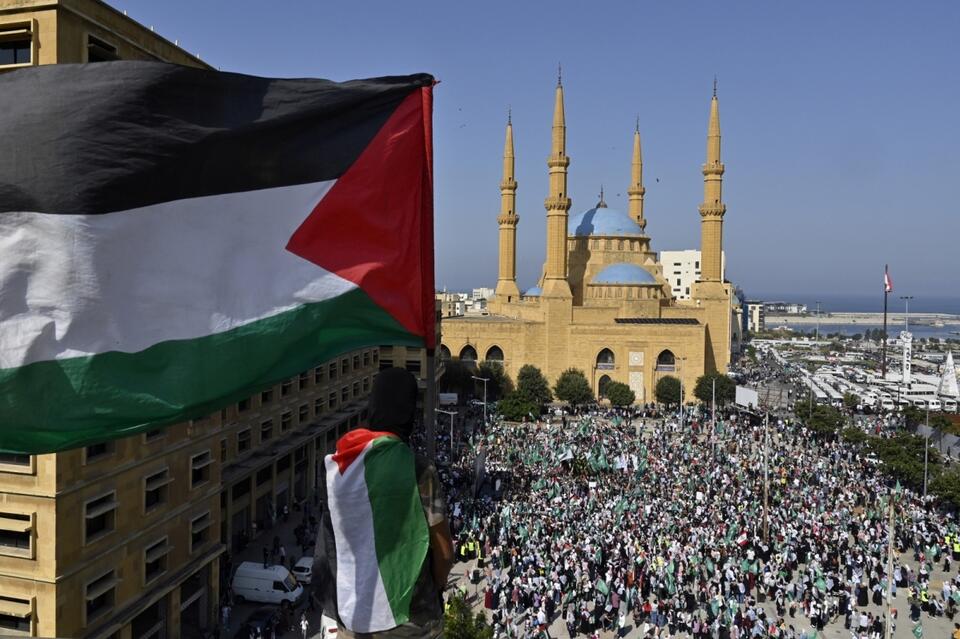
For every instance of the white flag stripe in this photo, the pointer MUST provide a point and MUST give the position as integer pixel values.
(361, 595)
(77, 285)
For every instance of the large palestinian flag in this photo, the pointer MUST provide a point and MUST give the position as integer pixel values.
(173, 239)
(380, 535)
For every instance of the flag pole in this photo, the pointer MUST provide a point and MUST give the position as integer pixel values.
(883, 357)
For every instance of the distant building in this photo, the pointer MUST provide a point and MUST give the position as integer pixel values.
(481, 294)
(682, 268)
(785, 308)
(452, 304)
(755, 312)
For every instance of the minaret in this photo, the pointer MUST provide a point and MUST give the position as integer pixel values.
(508, 218)
(712, 209)
(636, 190)
(558, 205)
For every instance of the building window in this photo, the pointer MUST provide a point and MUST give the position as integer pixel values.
(266, 430)
(344, 366)
(223, 450)
(332, 371)
(318, 374)
(100, 515)
(366, 384)
(285, 420)
(16, 616)
(243, 440)
(304, 415)
(243, 405)
(264, 475)
(344, 394)
(16, 534)
(199, 531)
(376, 357)
(696, 264)
(356, 389)
(16, 43)
(100, 595)
(152, 435)
(155, 560)
(15, 462)
(385, 364)
(286, 387)
(356, 362)
(240, 489)
(97, 451)
(283, 464)
(332, 400)
(155, 489)
(200, 468)
(318, 406)
(302, 382)
(100, 51)
(413, 365)
(266, 396)
(366, 358)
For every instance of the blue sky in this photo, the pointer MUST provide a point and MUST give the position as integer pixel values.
(840, 127)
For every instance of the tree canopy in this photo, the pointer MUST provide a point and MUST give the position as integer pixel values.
(459, 623)
(515, 407)
(726, 388)
(457, 378)
(533, 386)
(500, 384)
(620, 394)
(572, 387)
(668, 390)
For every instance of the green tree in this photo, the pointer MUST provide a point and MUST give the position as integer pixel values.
(824, 421)
(668, 391)
(457, 378)
(459, 623)
(500, 383)
(726, 388)
(854, 435)
(620, 394)
(912, 416)
(572, 387)
(946, 487)
(533, 386)
(902, 458)
(850, 400)
(515, 407)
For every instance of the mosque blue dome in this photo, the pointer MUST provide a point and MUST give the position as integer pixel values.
(623, 273)
(602, 221)
(534, 291)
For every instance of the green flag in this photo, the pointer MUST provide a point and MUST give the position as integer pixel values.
(602, 587)
(918, 631)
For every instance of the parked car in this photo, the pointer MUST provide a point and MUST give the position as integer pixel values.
(273, 584)
(303, 569)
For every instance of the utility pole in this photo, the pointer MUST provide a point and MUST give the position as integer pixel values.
(926, 453)
(484, 380)
(818, 320)
(452, 414)
(766, 478)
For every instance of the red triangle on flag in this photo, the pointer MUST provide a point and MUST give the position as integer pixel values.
(375, 226)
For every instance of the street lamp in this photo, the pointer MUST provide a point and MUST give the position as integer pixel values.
(451, 413)
(484, 380)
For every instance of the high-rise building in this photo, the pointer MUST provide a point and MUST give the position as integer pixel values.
(682, 268)
(125, 539)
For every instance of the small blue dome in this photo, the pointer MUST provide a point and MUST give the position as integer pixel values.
(623, 273)
(602, 221)
(534, 291)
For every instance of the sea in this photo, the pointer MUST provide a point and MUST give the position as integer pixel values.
(830, 303)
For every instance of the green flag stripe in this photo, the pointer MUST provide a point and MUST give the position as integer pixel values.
(61, 404)
(400, 528)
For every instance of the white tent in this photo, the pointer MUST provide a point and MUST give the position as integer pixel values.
(948, 380)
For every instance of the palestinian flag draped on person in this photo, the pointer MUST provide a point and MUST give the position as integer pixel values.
(173, 240)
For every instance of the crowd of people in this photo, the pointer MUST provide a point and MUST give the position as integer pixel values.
(645, 525)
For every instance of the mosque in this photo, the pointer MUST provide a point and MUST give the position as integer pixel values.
(602, 304)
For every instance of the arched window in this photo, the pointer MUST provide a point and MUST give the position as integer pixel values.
(468, 354)
(666, 361)
(494, 354)
(444, 353)
(602, 385)
(605, 359)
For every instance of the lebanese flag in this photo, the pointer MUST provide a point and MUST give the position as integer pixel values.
(173, 240)
(887, 282)
(380, 533)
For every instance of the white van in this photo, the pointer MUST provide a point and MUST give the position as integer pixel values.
(934, 404)
(950, 405)
(886, 404)
(273, 584)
